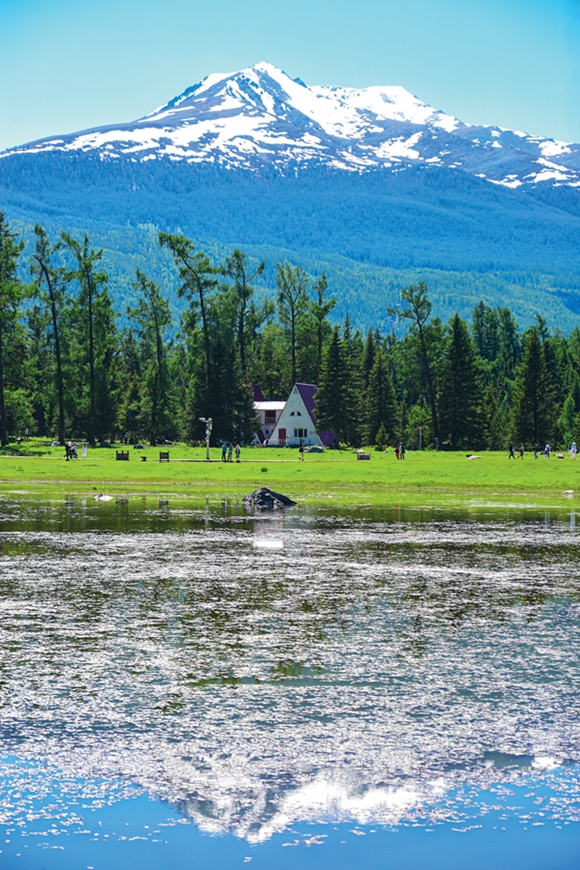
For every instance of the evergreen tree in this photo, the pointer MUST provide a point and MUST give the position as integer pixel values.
(63, 365)
(369, 355)
(51, 289)
(292, 284)
(382, 438)
(367, 362)
(130, 418)
(573, 352)
(236, 267)
(153, 320)
(353, 402)
(39, 373)
(492, 340)
(198, 276)
(380, 409)
(569, 412)
(320, 308)
(535, 410)
(509, 349)
(567, 419)
(91, 322)
(270, 364)
(460, 401)
(485, 331)
(403, 428)
(478, 327)
(230, 403)
(331, 396)
(12, 293)
(494, 428)
(418, 311)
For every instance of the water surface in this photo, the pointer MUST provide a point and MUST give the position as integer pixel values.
(403, 668)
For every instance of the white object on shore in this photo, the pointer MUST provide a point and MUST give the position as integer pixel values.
(102, 497)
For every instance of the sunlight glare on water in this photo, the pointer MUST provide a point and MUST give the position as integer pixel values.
(257, 672)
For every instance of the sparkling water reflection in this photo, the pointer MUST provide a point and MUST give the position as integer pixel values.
(258, 672)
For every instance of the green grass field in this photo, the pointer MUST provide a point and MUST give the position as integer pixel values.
(338, 475)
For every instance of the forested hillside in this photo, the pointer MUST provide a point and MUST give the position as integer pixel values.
(372, 234)
(71, 369)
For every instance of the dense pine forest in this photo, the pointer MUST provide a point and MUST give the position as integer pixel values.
(69, 370)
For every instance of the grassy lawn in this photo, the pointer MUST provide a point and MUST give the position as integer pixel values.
(337, 475)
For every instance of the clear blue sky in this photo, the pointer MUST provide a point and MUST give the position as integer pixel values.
(70, 64)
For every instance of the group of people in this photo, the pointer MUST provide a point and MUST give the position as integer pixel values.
(400, 451)
(71, 451)
(547, 451)
(228, 451)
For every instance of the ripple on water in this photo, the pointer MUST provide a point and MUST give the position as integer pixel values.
(259, 672)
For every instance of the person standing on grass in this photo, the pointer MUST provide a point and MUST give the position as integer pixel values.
(573, 450)
(437, 444)
(224, 451)
(548, 451)
(301, 449)
(230, 451)
(238, 451)
(402, 451)
(536, 448)
(512, 450)
(521, 451)
(84, 452)
(397, 451)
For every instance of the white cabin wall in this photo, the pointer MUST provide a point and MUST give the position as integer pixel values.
(295, 416)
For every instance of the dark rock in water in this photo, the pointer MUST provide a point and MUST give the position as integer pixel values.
(267, 499)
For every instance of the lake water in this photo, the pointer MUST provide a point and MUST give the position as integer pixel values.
(193, 687)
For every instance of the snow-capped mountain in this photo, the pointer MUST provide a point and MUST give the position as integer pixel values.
(261, 117)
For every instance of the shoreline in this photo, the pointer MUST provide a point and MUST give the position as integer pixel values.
(334, 477)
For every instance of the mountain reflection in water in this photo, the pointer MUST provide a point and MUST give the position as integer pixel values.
(258, 671)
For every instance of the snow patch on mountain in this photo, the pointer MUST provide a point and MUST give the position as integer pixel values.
(260, 116)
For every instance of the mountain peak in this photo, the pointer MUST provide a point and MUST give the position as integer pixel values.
(261, 116)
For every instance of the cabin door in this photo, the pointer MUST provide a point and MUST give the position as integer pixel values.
(281, 436)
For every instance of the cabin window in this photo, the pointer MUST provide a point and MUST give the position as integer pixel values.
(301, 433)
(270, 417)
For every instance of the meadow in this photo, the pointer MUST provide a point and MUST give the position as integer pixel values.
(337, 476)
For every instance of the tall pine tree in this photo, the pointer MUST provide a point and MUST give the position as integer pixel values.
(380, 406)
(51, 289)
(12, 293)
(535, 410)
(153, 320)
(460, 399)
(332, 394)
